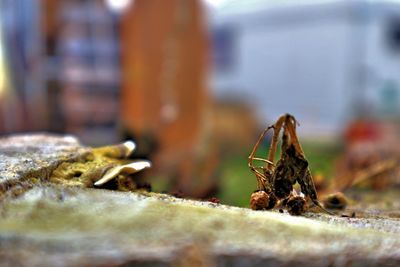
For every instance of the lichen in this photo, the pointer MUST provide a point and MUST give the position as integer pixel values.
(91, 167)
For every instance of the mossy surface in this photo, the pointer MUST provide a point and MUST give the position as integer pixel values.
(159, 224)
(84, 171)
(52, 218)
(26, 161)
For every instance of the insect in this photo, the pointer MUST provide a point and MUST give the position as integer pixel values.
(275, 180)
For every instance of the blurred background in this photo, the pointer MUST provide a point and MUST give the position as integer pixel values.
(194, 82)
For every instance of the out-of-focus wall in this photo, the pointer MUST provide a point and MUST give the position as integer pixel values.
(326, 62)
(23, 96)
(165, 100)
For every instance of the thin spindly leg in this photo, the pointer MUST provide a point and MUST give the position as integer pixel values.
(261, 178)
(274, 142)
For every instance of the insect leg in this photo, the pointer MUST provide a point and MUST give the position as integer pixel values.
(274, 142)
(261, 178)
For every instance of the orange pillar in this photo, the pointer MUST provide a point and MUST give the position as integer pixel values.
(164, 59)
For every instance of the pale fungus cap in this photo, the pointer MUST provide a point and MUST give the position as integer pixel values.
(123, 169)
(130, 146)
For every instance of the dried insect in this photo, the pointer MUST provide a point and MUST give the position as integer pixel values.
(277, 180)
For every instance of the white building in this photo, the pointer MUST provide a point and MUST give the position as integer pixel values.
(323, 61)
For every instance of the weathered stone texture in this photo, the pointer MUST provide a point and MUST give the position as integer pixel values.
(23, 156)
(57, 225)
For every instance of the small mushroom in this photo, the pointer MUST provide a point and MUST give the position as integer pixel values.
(123, 150)
(129, 146)
(123, 169)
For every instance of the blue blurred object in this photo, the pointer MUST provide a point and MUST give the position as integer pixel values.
(22, 106)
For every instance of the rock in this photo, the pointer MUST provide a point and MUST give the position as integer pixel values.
(23, 157)
(57, 225)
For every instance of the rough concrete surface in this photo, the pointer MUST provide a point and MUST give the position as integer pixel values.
(34, 156)
(55, 225)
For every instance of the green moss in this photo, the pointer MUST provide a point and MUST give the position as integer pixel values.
(86, 170)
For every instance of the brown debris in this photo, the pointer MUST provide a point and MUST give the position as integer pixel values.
(296, 205)
(371, 156)
(335, 201)
(144, 186)
(278, 178)
(178, 194)
(259, 200)
(214, 200)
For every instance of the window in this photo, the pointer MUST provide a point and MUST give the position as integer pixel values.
(223, 49)
(393, 35)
